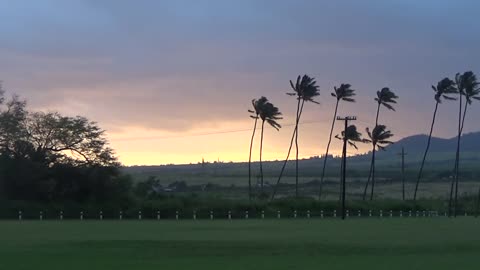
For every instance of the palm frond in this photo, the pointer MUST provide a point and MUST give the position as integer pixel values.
(386, 97)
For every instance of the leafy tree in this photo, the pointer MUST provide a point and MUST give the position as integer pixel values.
(305, 90)
(50, 157)
(443, 90)
(342, 93)
(379, 140)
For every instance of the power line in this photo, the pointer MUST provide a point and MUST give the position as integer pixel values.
(203, 134)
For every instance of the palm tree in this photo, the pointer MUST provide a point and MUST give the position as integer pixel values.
(345, 93)
(467, 86)
(443, 89)
(305, 89)
(256, 104)
(270, 114)
(350, 135)
(386, 98)
(379, 140)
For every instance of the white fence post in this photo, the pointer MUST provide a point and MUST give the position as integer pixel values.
(401, 213)
(61, 215)
(370, 213)
(359, 213)
(246, 214)
(278, 214)
(308, 213)
(263, 214)
(101, 215)
(41, 215)
(211, 215)
(158, 215)
(19, 215)
(381, 213)
(120, 215)
(321, 213)
(229, 214)
(139, 215)
(347, 213)
(391, 213)
(294, 213)
(81, 215)
(176, 215)
(194, 215)
(335, 213)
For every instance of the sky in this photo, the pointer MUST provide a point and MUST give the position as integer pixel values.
(171, 81)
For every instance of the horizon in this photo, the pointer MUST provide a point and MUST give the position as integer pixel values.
(171, 81)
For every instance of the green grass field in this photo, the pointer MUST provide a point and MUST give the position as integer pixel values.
(408, 243)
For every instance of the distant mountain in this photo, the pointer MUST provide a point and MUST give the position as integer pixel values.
(416, 144)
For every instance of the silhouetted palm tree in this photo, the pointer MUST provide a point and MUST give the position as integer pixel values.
(467, 86)
(386, 98)
(350, 135)
(345, 93)
(305, 89)
(443, 89)
(270, 114)
(379, 140)
(256, 104)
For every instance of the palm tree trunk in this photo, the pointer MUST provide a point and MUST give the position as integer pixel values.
(426, 151)
(477, 209)
(299, 112)
(373, 173)
(368, 180)
(326, 152)
(403, 174)
(372, 164)
(458, 160)
(457, 156)
(296, 163)
(296, 152)
(250, 162)
(261, 166)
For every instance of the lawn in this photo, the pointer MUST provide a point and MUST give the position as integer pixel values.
(388, 243)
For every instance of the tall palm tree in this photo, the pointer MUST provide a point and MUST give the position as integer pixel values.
(256, 104)
(443, 89)
(467, 86)
(345, 93)
(270, 114)
(305, 89)
(379, 140)
(386, 98)
(350, 135)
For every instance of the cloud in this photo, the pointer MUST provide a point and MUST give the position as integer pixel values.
(177, 66)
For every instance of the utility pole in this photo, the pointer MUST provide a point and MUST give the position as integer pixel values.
(344, 159)
(403, 154)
